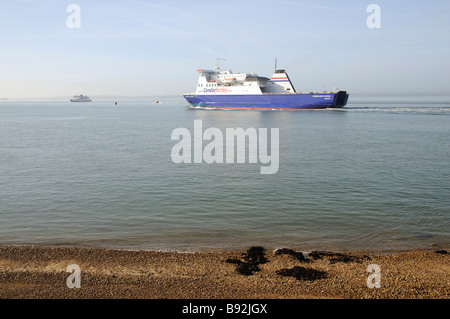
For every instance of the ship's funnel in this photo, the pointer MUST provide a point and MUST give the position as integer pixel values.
(282, 81)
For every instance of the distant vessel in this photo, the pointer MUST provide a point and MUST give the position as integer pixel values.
(80, 98)
(155, 101)
(223, 89)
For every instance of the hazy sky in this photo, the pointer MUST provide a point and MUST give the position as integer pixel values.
(145, 48)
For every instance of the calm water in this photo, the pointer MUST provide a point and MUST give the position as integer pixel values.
(375, 175)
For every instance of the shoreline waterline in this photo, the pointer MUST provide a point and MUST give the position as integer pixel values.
(231, 248)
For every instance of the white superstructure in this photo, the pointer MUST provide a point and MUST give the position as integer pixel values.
(219, 81)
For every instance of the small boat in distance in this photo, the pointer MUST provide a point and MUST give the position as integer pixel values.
(80, 98)
(155, 101)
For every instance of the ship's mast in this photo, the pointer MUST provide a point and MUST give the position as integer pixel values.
(217, 67)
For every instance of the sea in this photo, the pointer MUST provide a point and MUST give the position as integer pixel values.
(373, 176)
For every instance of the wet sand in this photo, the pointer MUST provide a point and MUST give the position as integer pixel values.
(34, 272)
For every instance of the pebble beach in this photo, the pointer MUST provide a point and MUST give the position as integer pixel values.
(35, 272)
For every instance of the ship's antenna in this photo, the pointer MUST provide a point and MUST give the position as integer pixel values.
(275, 65)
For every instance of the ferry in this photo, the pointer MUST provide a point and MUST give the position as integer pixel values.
(223, 89)
(80, 98)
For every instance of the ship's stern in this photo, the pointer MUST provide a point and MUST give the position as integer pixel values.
(340, 99)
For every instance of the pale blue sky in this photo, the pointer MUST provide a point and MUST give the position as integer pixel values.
(146, 48)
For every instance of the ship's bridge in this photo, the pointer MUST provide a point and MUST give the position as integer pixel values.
(226, 77)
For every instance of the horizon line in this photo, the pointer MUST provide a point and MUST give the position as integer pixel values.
(358, 94)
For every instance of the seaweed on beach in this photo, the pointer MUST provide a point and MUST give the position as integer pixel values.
(302, 273)
(252, 258)
(287, 251)
(337, 257)
(255, 255)
(247, 269)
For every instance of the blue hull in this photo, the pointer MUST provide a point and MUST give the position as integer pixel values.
(269, 101)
